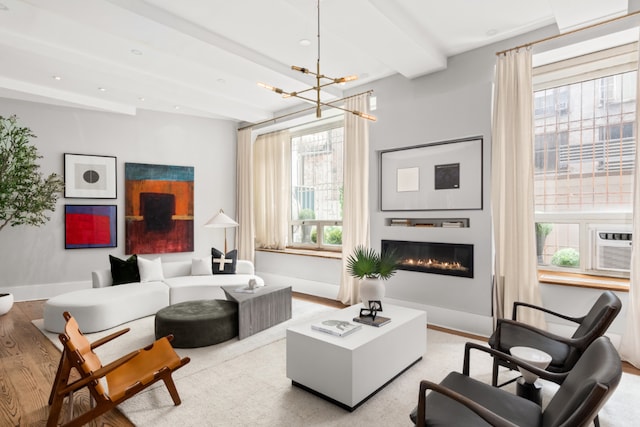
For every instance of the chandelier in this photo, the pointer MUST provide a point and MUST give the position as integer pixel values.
(321, 81)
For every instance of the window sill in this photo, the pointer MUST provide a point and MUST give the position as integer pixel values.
(305, 252)
(583, 280)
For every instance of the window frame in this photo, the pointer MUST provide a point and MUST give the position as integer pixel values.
(333, 123)
(620, 59)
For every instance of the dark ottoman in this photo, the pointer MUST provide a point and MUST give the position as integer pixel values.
(198, 323)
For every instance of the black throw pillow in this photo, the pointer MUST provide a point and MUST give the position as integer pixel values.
(124, 271)
(223, 264)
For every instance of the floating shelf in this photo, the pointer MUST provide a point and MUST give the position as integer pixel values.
(428, 222)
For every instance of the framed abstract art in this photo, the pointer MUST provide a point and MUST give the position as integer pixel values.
(90, 226)
(89, 177)
(158, 208)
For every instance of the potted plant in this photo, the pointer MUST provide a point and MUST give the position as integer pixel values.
(6, 302)
(25, 194)
(542, 231)
(372, 268)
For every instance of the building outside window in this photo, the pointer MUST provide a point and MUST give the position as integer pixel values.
(584, 153)
(317, 187)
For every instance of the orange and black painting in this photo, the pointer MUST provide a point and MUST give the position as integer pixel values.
(158, 208)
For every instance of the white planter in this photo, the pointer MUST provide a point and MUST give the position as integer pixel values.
(371, 290)
(6, 302)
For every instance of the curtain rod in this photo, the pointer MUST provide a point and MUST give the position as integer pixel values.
(577, 30)
(275, 119)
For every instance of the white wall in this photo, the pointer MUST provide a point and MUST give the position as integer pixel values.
(33, 261)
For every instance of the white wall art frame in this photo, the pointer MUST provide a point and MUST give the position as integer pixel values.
(439, 176)
(89, 177)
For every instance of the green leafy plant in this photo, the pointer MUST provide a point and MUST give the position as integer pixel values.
(366, 262)
(332, 235)
(543, 228)
(566, 257)
(25, 195)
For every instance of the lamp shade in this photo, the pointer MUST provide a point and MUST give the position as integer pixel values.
(221, 220)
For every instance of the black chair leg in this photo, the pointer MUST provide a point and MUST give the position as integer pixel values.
(596, 421)
(494, 376)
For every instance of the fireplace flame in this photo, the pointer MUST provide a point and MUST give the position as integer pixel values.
(434, 263)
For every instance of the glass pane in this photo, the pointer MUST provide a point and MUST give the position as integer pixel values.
(317, 175)
(307, 234)
(584, 149)
(332, 235)
(558, 244)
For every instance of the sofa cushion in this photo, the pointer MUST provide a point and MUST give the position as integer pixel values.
(150, 269)
(201, 266)
(124, 271)
(224, 263)
(97, 309)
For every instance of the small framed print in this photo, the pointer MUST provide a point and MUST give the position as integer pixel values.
(89, 177)
(90, 226)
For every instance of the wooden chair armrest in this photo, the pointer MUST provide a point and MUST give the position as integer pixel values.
(490, 417)
(566, 340)
(558, 378)
(97, 343)
(545, 310)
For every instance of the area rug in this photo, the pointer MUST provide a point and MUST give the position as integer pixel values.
(229, 386)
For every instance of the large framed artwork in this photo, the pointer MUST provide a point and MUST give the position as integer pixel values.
(440, 176)
(89, 177)
(90, 226)
(158, 208)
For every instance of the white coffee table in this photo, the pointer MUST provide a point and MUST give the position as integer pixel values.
(348, 370)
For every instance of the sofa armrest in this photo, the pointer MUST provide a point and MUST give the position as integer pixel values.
(244, 266)
(101, 278)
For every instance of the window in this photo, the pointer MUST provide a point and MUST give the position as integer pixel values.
(584, 151)
(317, 187)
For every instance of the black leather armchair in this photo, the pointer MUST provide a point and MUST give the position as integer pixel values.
(462, 401)
(564, 351)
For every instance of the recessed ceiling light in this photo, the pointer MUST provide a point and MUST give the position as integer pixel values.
(136, 52)
(101, 89)
(492, 32)
(141, 98)
(305, 42)
(176, 107)
(56, 78)
(221, 81)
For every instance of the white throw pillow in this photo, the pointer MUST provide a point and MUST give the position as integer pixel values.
(150, 269)
(201, 267)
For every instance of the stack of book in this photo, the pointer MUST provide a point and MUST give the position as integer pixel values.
(339, 328)
(400, 222)
(368, 320)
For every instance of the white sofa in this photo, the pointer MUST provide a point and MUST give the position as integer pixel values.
(105, 306)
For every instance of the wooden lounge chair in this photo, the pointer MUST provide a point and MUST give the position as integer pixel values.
(114, 383)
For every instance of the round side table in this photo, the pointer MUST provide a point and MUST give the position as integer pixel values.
(526, 385)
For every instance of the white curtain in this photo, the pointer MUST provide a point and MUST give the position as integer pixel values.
(244, 207)
(630, 344)
(355, 215)
(271, 189)
(515, 269)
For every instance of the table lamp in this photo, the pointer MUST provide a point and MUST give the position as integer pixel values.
(220, 220)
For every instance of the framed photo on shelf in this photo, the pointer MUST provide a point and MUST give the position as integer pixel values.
(89, 177)
(90, 226)
(439, 176)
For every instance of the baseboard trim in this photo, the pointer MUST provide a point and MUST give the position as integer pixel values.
(45, 291)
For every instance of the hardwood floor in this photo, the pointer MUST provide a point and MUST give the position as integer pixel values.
(28, 364)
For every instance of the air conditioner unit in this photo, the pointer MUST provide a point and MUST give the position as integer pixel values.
(611, 249)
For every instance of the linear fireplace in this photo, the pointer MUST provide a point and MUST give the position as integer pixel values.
(452, 259)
